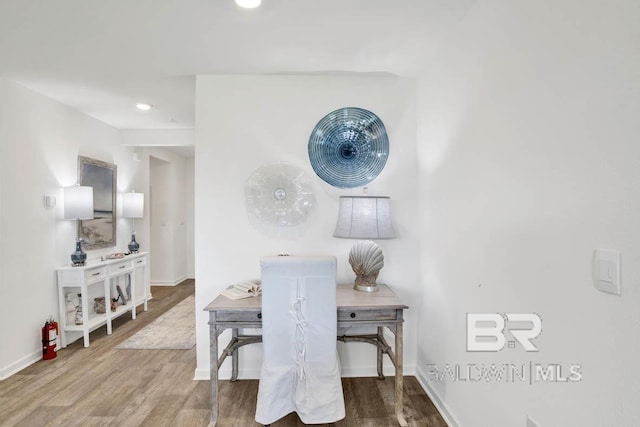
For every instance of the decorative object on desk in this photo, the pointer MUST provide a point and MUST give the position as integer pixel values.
(348, 147)
(243, 290)
(121, 297)
(279, 200)
(100, 307)
(365, 217)
(71, 305)
(79, 311)
(175, 329)
(100, 230)
(128, 288)
(366, 260)
(78, 205)
(133, 207)
(116, 255)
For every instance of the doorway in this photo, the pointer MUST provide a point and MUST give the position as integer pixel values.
(171, 217)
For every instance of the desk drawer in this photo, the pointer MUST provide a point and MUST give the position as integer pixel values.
(120, 267)
(238, 316)
(140, 261)
(366, 315)
(94, 274)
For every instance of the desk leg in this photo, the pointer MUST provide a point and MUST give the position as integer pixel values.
(132, 289)
(399, 379)
(379, 353)
(145, 295)
(234, 356)
(107, 305)
(213, 367)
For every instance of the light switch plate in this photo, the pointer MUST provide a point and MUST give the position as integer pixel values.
(607, 271)
(49, 201)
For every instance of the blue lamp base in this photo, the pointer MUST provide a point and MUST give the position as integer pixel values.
(78, 257)
(133, 246)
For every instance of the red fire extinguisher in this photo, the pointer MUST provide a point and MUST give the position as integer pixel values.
(49, 338)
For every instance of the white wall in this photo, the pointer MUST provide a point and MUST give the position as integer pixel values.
(40, 141)
(189, 194)
(157, 137)
(528, 161)
(244, 122)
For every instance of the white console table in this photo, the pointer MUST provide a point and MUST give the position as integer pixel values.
(99, 279)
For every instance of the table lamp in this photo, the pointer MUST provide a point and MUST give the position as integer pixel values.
(78, 204)
(365, 217)
(133, 207)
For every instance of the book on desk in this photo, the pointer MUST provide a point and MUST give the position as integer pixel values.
(244, 289)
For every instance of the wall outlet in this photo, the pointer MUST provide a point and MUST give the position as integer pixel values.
(531, 423)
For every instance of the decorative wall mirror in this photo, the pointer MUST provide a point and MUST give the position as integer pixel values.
(99, 232)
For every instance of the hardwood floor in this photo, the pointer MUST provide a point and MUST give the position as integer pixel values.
(105, 386)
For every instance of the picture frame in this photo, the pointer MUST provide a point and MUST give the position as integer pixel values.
(99, 232)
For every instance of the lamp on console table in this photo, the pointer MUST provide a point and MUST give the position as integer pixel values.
(78, 204)
(133, 207)
(365, 217)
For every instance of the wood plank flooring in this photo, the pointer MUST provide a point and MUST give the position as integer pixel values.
(105, 386)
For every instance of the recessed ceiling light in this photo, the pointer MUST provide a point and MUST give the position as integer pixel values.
(142, 106)
(248, 4)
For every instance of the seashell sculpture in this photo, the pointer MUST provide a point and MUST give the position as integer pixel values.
(366, 260)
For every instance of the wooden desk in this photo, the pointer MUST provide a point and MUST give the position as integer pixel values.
(380, 309)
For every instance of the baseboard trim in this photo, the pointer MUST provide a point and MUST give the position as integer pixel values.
(435, 398)
(372, 371)
(201, 375)
(169, 282)
(347, 372)
(20, 364)
(225, 374)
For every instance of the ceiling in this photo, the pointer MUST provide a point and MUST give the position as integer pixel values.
(102, 57)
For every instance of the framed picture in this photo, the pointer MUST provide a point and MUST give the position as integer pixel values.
(99, 232)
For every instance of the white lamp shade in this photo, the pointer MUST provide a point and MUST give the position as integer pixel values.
(133, 205)
(78, 202)
(363, 217)
(248, 4)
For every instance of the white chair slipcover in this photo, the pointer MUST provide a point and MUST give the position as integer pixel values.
(300, 370)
